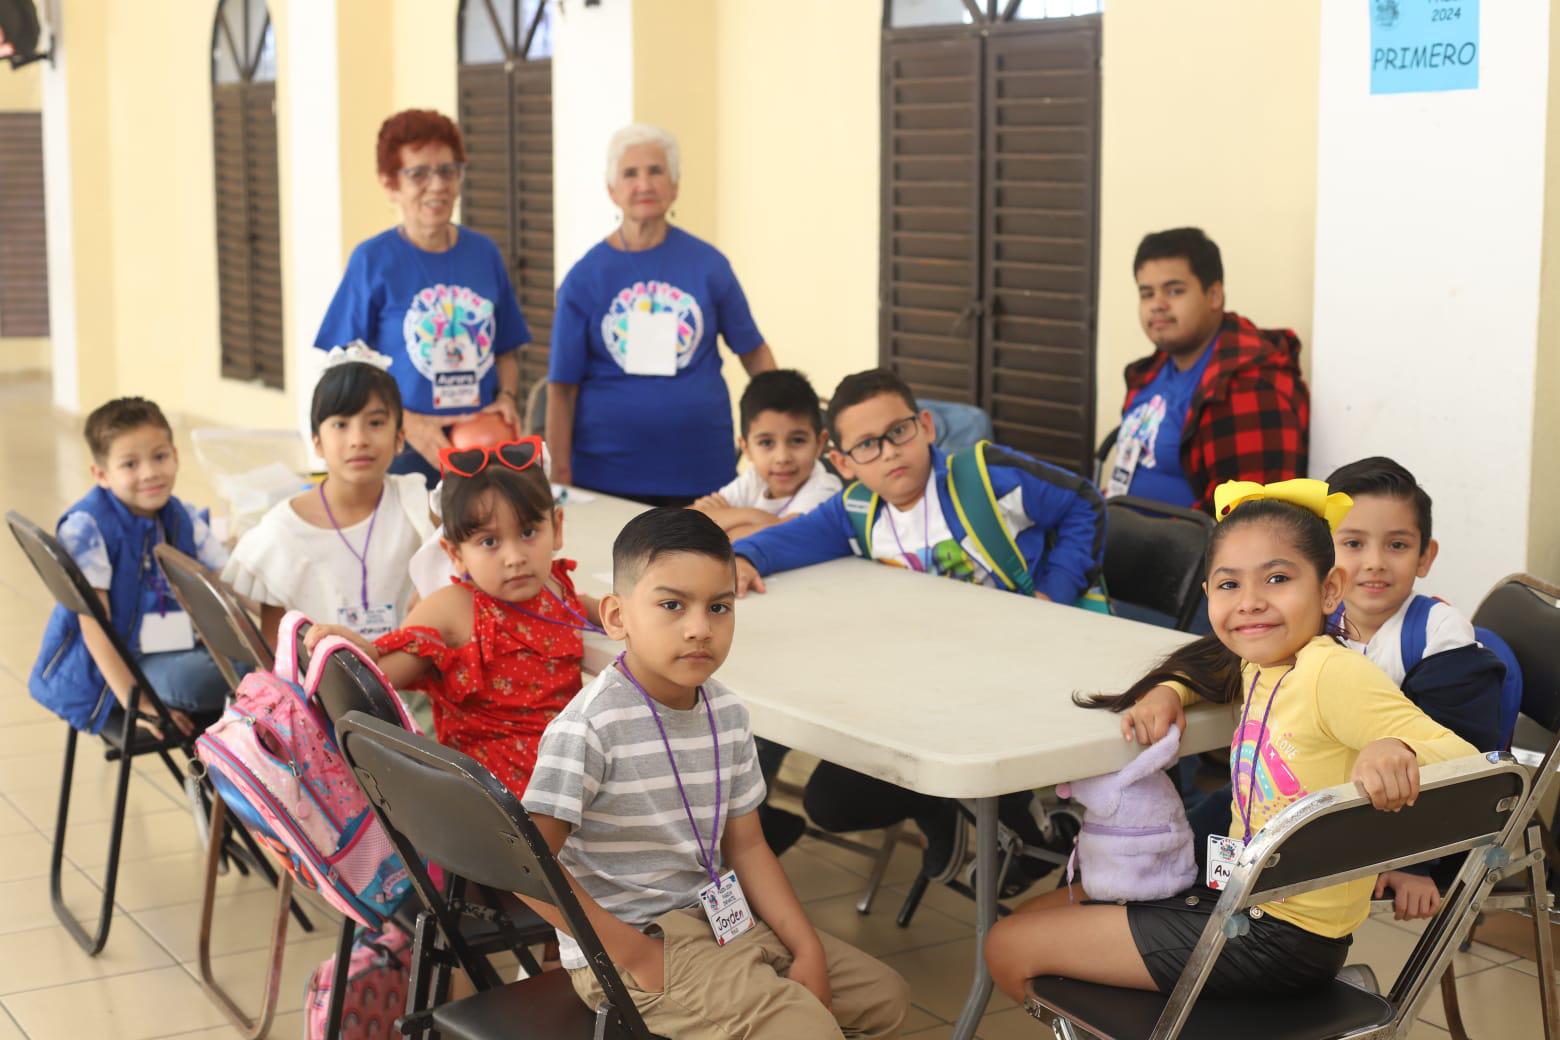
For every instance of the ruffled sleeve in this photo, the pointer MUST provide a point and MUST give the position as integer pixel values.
(419, 641)
(263, 567)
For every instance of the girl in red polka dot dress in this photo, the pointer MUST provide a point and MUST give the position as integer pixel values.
(498, 651)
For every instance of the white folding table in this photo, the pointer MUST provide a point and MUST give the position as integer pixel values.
(937, 686)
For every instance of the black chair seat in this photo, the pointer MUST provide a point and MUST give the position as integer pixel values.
(541, 1008)
(1124, 1014)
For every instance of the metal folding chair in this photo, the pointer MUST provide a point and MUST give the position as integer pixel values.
(70, 589)
(1477, 804)
(444, 805)
(1155, 556)
(229, 634)
(491, 922)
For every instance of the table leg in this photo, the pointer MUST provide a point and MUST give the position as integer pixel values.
(985, 915)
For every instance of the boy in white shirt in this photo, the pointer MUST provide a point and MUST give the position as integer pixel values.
(782, 437)
(1383, 546)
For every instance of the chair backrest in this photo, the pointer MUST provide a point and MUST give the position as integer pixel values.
(346, 686)
(224, 626)
(1334, 835)
(442, 805)
(1338, 836)
(71, 590)
(1155, 556)
(534, 420)
(1522, 610)
(958, 426)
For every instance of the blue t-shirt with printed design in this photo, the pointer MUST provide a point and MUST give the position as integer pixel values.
(441, 317)
(1156, 420)
(651, 435)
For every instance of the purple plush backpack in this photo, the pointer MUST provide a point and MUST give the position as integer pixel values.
(273, 761)
(1135, 843)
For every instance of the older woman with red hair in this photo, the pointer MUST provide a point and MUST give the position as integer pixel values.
(433, 297)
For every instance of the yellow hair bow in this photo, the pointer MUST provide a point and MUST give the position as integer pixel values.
(1310, 495)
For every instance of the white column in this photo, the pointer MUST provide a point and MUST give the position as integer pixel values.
(1428, 242)
(313, 205)
(593, 95)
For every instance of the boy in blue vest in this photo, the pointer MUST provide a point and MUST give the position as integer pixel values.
(110, 534)
(989, 516)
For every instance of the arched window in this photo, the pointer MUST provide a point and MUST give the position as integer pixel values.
(990, 220)
(505, 82)
(243, 118)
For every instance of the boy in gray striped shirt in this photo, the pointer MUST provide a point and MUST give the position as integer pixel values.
(646, 788)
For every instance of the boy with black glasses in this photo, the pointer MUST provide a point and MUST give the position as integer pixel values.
(989, 515)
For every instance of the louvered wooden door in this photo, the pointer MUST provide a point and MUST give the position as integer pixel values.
(24, 251)
(1040, 242)
(990, 218)
(505, 87)
(249, 238)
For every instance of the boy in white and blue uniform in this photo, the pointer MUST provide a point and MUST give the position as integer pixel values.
(110, 534)
(902, 511)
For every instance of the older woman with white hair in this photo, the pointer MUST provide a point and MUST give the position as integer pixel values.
(636, 405)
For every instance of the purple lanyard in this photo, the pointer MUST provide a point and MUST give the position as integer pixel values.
(585, 623)
(926, 534)
(361, 557)
(706, 860)
(1256, 752)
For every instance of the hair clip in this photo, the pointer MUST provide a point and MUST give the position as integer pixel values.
(360, 353)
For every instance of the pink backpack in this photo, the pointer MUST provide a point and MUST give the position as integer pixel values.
(272, 759)
(377, 977)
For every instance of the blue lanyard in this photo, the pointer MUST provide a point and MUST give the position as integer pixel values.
(1256, 752)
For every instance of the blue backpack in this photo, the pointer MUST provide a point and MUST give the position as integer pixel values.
(1412, 645)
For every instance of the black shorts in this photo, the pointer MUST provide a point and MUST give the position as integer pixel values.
(1273, 958)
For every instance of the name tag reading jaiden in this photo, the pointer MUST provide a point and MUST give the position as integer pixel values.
(726, 907)
(166, 633)
(652, 344)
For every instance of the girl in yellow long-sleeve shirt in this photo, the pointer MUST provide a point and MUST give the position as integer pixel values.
(1312, 714)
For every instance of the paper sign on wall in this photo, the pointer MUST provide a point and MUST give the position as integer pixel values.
(1418, 46)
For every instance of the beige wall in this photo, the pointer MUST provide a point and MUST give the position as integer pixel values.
(365, 41)
(1543, 556)
(676, 85)
(797, 212)
(21, 90)
(1208, 118)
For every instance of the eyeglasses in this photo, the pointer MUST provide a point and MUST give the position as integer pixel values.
(869, 448)
(451, 172)
(468, 462)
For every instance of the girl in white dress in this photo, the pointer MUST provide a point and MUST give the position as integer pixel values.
(339, 550)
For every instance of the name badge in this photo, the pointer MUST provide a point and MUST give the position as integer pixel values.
(371, 622)
(726, 907)
(1222, 854)
(652, 344)
(166, 633)
(1127, 456)
(459, 389)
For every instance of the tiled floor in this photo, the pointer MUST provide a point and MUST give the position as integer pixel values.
(144, 984)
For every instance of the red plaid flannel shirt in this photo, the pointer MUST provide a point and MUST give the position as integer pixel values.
(1250, 418)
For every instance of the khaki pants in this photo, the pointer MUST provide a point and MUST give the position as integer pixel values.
(740, 992)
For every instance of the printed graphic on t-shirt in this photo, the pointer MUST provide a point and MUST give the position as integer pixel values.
(1265, 779)
(946, 559)
(1142, 425)
(449, 329)
(653, 297)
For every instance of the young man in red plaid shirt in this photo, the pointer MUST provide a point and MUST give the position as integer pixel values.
(1219, 399)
